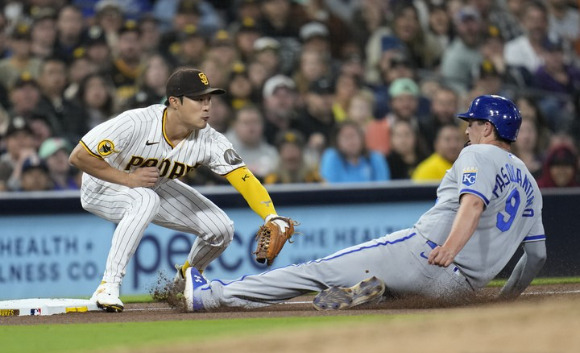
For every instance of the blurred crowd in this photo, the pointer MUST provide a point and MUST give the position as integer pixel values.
(317, 90)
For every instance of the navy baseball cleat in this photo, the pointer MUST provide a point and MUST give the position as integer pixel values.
(338, 298)
(193, 280)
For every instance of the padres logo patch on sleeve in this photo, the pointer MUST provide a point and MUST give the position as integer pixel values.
(106, 147)
(232, 157)
(469, 176)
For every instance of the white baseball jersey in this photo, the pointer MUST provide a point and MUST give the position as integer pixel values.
(136, 138)
(512, 215)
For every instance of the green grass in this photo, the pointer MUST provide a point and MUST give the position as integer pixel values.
(114, 336)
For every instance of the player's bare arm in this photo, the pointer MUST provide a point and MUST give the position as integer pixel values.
(83, 160)
(464, 225)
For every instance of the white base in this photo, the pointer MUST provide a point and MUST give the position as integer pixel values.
(45, 306)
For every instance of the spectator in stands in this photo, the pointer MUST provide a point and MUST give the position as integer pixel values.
(348, 160)
(80, 68)
(405, 153)
(239, 89)
(175, 15)
(292, 167)
(422, 47)
(315, 120)
(313, 66)
(440, 25)
(563, 20)
(555, 75)
(529, 109)
(97, 50)
(127, 62)
(34, 175)
(279, 106)
(369, 28)
(54, 152)
(492, 14)
(463, 53)
(43, 33)
(95, 95)
(346, 87)
(559, 78)
(67, 117)
(281, 20)
(486, 80)
(69, 28)
(151, 83)
(560, 168)
(360, 110)
(319, 11)
(221, 114)
(190, 49)
(443, 111)
(267, 53)
(150, 34)
(247, 138)
(527, 147)
(243, 10)
(21, 60)
(245, 37)
(4, 51)
(448, 144)
(41, 128)
(24, 97)
(19, 146)
(525, 51)
(394, 65)
(404, 101)
(315, 36)
(110, 17)
(222, 49)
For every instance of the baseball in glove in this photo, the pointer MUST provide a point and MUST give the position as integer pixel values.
(272, 236)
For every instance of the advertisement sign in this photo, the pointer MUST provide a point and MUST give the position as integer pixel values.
(64, 255)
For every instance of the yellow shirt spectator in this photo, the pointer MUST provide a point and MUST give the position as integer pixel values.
(431, 169)
(448, 144)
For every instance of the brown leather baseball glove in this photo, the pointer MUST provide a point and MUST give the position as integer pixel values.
(272, 236)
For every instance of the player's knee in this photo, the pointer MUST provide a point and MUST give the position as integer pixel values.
(145, 201)
(222, 238)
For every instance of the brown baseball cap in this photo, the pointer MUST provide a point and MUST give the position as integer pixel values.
(190, 83)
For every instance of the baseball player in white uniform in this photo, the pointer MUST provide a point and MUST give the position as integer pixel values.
(131, 167)
(488, 205)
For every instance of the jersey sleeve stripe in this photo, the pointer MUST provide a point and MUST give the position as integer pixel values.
(89, 150)
(480, 195)
(531, 238)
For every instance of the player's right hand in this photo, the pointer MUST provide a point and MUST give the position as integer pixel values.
(143, 177)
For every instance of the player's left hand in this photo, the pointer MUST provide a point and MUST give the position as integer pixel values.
(272, 236)
(441, 257)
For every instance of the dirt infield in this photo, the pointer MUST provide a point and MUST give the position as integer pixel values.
(545, 319)
(135, 312)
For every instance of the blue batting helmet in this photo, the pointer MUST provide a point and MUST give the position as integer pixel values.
(499, 111)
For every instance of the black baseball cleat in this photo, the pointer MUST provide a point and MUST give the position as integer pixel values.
(369, 290)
